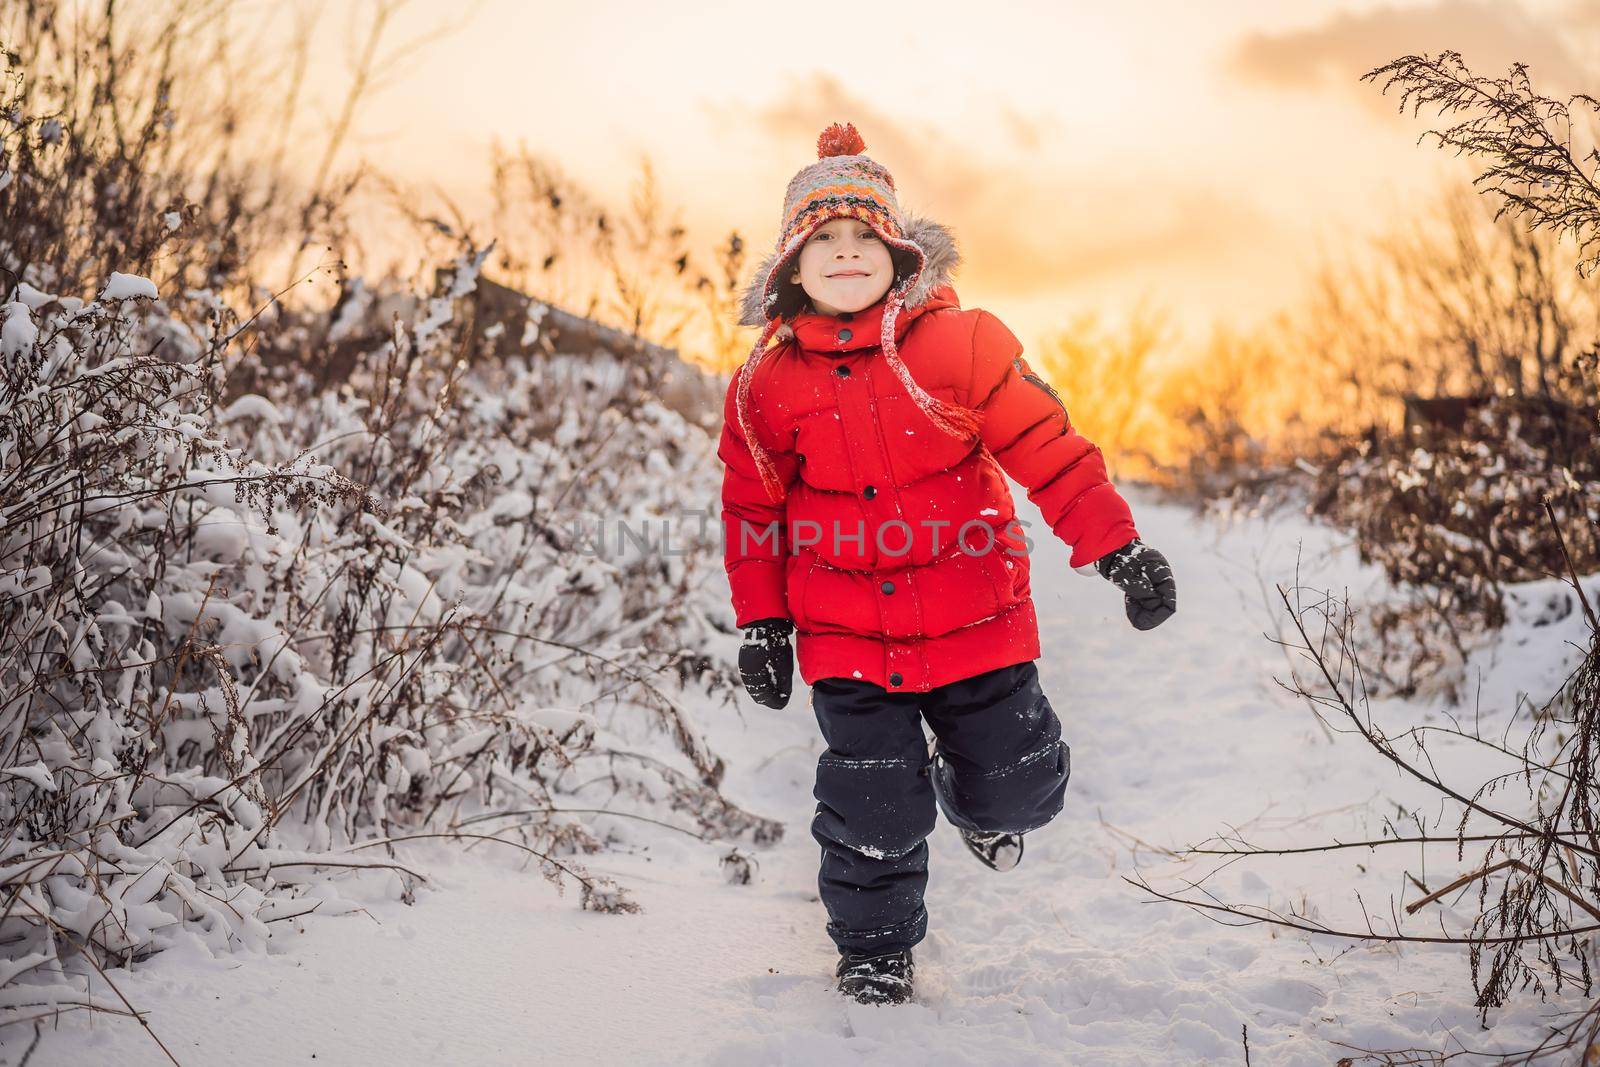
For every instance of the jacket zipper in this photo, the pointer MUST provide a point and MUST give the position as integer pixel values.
(1028, 375)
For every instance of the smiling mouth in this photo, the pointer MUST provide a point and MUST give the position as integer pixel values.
(849, 274)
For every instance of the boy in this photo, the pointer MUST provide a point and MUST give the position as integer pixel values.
(866, 511)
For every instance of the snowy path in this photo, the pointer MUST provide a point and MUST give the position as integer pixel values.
(1175, 733)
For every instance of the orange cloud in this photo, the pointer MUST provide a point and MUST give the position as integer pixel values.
(1489, 36)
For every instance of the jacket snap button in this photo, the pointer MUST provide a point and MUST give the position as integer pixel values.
(870, 491)
(842, 371)
(888, 587)
(895, 679)
(802, 456)
(845, 334)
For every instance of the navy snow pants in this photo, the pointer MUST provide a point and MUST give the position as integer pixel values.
(999, 764)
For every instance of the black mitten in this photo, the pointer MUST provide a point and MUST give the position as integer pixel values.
(766, 661)
(1145, 578)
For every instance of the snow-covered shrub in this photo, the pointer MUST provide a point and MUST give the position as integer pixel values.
(131, 777)
(1454, 518)
(240, 641)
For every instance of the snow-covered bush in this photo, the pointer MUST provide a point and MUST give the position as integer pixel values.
(1454, 518)
(238, 641)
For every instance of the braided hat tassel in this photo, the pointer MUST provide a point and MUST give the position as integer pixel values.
(764, 464)
(953, 419)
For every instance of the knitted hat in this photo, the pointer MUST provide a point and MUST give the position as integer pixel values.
(843, 183)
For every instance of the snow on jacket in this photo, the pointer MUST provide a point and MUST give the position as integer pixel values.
(896, 548)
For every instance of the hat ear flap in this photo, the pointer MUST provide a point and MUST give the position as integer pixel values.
(792, 299)
(791, 296)
(905, 264)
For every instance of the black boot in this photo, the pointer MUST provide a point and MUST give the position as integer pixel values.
(998, 852)
(882, 979)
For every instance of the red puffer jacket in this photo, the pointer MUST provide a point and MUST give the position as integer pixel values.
(896, 549)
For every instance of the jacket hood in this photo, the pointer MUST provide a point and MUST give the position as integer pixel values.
(939, 250)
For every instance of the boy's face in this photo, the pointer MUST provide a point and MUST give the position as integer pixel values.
(844, 266)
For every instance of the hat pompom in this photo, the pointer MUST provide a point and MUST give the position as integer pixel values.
(840, 140)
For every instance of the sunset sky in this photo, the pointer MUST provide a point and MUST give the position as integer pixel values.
(1200, 157)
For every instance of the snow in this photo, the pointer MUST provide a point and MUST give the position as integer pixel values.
(18, 334)
(348, 315)
(32, 297)
(252, 406)
(535, 317)
(37, 773)
(1176, 734)
(128, 287)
